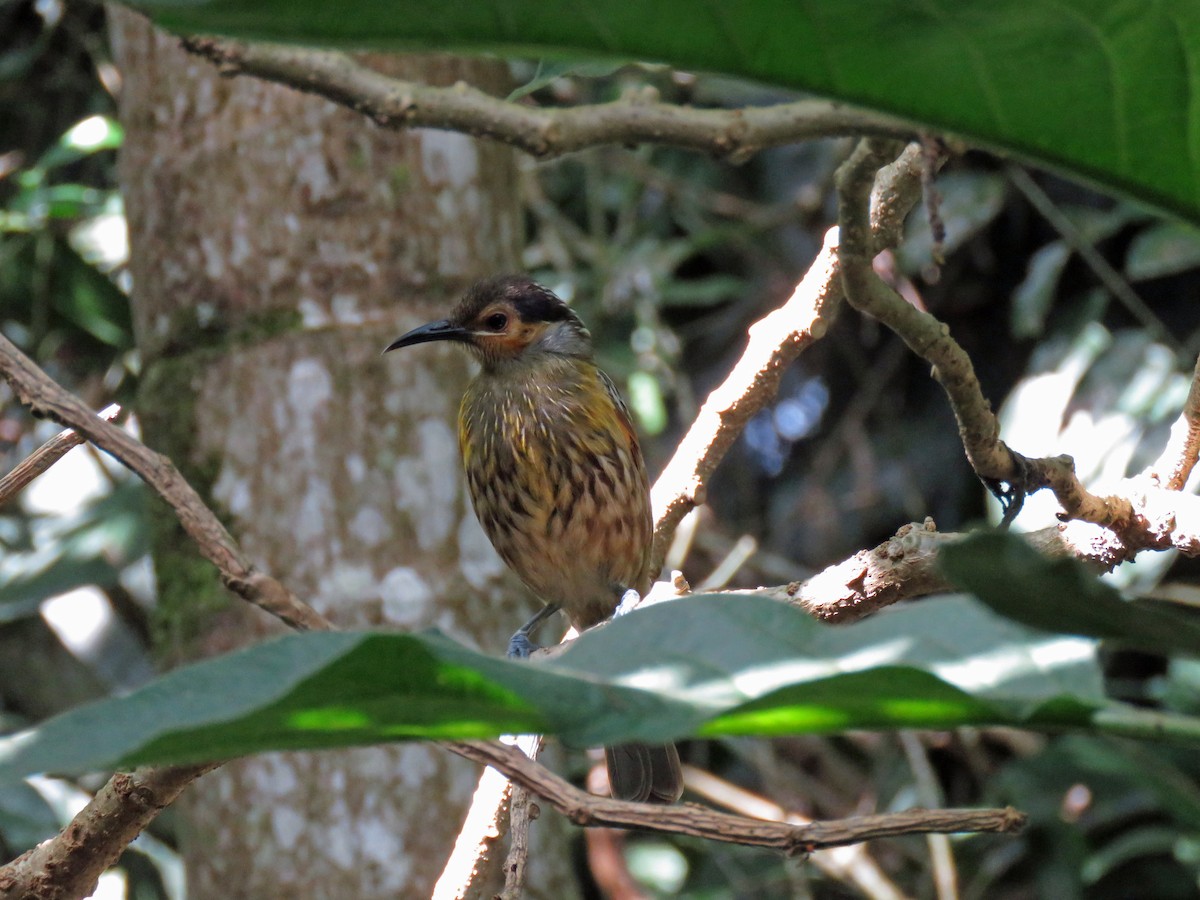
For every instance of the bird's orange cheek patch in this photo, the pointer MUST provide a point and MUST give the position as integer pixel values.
(513, 341)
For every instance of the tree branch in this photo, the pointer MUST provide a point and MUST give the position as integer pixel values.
(69, 865)
(485, 824)
(45, 456)
(39, 392)
(930, 339)
(1175, 463)
(545, 133)
(590, 810)
(776, 340)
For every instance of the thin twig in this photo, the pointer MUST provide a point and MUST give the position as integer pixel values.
(724, 572)
(978, 428)
(589, 810)
(69, 865)
(1175, 463)
(1109, 277)
(483, 826)
(545, 133)
(775, 341)
(40, 393)
(45, 456)
(523, 811)
(945, 874)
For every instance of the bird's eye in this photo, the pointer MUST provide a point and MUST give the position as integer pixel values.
(496, 321)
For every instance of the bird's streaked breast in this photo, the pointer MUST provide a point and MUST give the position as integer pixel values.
(558, 483)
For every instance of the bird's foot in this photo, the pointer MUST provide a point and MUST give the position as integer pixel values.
(629, 601)
(521, 645)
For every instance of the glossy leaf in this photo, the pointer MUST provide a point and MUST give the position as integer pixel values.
(1061, 596)
(720, 664)
(1166, 248)
(1102, 88)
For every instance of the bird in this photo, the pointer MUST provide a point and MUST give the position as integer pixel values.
(556, 476)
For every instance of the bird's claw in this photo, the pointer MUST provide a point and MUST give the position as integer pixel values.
(521, 645)
(629, 601)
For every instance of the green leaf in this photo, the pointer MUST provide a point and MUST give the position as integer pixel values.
(26, 819)
(89, 547)
(550, 70)
(1033, 297)
(1166, 248)
(1060, 595)
(90, 135)
(1101, 88)
(715, 664)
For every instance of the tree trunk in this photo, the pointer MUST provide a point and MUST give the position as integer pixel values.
(279, 242)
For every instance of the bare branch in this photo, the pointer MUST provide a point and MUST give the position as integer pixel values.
(522, 812)
(1113, 280)
(776, 340)
(589, 810)
(45, 456)
(545, 133)
(38, 391)
(1175, 463)
(905, 566)
(69, 865)
(484, 825)
(978, 428)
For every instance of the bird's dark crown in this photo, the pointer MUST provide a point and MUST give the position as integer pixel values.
(529, 300)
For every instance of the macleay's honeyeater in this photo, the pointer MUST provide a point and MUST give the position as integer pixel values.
(555, 474)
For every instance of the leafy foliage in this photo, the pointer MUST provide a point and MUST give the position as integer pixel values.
(1076, 85)
(1060, 596)
(724, 665)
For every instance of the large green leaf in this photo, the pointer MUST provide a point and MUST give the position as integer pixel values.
(1107, 89)
(1060, 595)
(713, 665)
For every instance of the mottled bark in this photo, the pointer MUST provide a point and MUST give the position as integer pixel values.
(279, 242)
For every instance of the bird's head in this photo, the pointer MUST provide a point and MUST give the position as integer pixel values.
(506, 320)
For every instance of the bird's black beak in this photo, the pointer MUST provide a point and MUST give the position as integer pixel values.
(442, 330)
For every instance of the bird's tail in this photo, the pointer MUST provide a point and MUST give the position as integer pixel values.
(644, 772)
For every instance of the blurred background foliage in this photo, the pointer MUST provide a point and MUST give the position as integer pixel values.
(1079, 312)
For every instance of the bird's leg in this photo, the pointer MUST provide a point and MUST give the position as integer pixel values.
(629, 601)
(520, 645)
